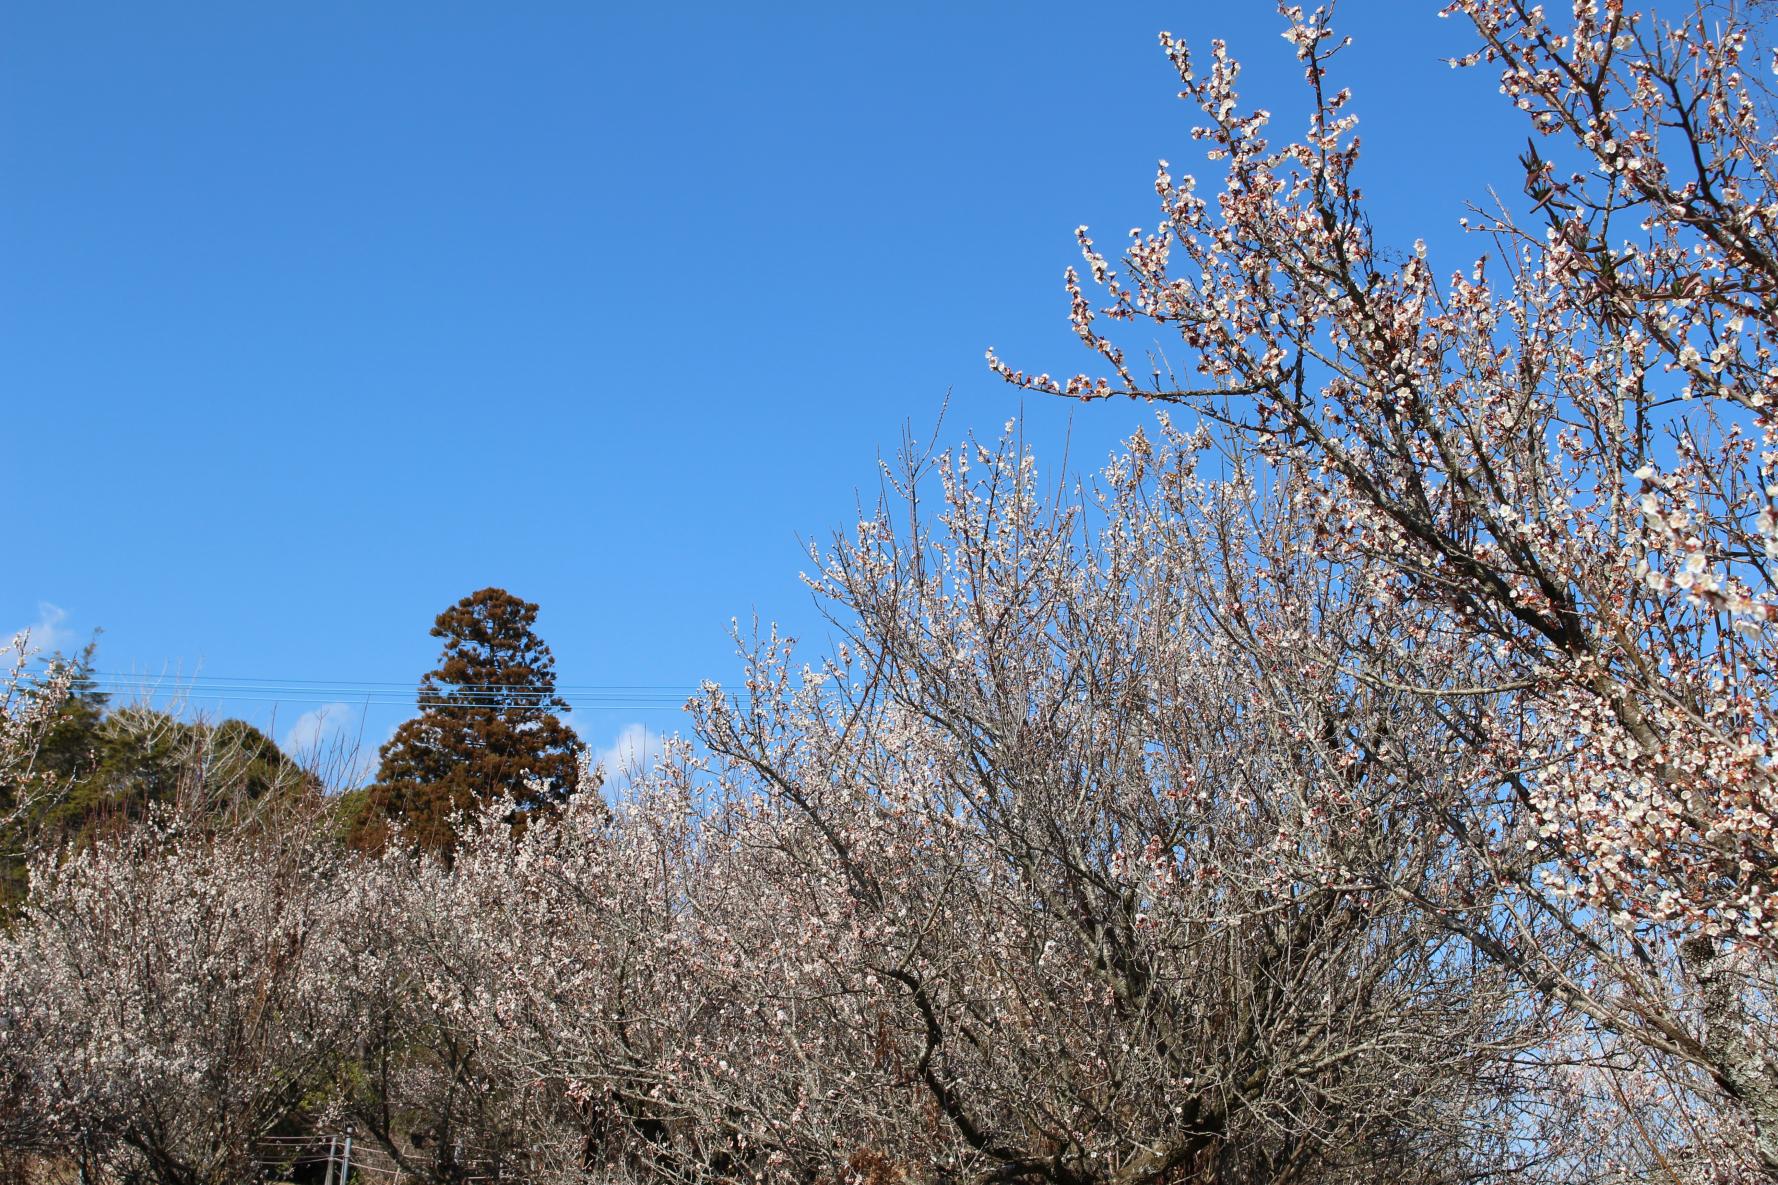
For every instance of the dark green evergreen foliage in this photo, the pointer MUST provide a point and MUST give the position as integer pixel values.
(68, 745)
(98, 768)
(140, 757)
(346, 814)
(487, 730)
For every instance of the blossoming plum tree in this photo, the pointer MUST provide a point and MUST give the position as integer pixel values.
(1562, 454)
(1367, 778)
(172, 994)
(1038, 877)
(28, 706)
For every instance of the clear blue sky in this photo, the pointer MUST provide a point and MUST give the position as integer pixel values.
(314, 318)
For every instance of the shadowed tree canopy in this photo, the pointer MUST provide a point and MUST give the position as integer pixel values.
(487, 729)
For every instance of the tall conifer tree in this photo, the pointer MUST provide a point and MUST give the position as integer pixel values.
(487, 729)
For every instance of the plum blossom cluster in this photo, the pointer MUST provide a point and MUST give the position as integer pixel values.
(1559, 457)
(1572, 463)
(1366, 778)
(28, 705)
(1115, 840)
(171, 994)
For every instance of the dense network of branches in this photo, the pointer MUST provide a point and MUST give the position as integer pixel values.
(1368, 776)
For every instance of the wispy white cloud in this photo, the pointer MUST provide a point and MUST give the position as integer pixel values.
(49, 633)
(317, 730)
(634, 751)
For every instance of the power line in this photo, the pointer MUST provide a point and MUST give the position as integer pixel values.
(323, 695)
(294, 682)
(250, 689)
